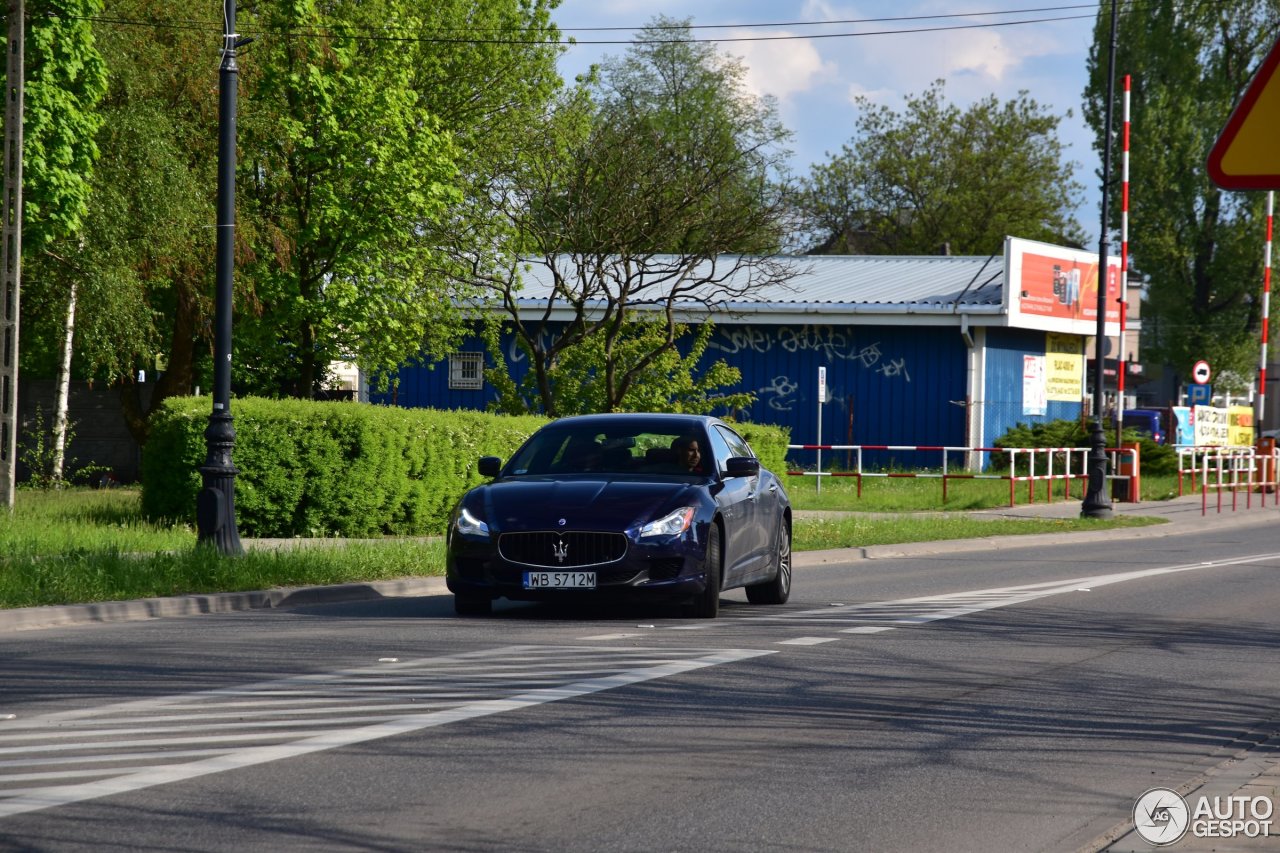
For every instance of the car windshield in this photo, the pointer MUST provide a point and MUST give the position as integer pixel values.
(590, 449)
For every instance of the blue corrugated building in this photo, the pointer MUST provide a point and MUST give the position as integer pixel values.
(918, 350)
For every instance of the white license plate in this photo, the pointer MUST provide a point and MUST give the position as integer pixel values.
(559, 580)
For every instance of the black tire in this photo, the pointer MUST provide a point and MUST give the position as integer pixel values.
(706, 604)
(778, 589)
(472, 605)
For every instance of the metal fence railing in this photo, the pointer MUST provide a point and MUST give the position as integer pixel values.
(1030, 465)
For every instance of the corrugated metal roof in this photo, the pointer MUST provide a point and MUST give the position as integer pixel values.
(844, 282)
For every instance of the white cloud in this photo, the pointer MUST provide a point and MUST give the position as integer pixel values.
(781, 68)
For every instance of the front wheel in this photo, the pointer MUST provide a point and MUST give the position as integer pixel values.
(706, 604)
(778, 589)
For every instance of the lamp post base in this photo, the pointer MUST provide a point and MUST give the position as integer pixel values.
(216, 503)
(1097, 503)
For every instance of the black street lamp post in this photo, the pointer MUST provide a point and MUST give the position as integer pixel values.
(1097, 503)
(216, 503)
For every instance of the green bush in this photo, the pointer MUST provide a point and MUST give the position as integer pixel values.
(1154, 459)
(313, 469)
(769, 442)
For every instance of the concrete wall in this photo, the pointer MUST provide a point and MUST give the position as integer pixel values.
(100, 436)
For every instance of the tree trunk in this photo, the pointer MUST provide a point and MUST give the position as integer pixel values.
(179, 377)
(64, 387)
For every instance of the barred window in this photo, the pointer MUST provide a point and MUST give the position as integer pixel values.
(466, 371)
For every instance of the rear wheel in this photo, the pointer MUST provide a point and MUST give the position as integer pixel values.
(472, 605)
(706, 605)
(778, 589)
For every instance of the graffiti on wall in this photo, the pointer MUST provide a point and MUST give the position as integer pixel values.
(780, 394)
(828, 342)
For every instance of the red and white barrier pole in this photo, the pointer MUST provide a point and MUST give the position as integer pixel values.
(1124, 264)
(1266, 317)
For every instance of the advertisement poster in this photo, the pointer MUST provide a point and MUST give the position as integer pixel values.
(1185, 425)
(1064, 368)
(1240, 426)
(1056, 289)
(1213, 428)
(1034, 401)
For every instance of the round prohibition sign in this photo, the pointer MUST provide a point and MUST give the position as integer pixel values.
(1201, 372)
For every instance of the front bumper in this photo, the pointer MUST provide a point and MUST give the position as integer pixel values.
(652, 571)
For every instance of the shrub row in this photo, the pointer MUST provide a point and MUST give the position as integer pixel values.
(316, 469)
(1153, 459)
(769, 442)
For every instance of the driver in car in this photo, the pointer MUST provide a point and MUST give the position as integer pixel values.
(688, 453)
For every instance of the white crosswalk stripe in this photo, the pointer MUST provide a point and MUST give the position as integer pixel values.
(76, 755)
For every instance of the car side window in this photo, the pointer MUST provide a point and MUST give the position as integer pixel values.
(737, 445)
(720, 449)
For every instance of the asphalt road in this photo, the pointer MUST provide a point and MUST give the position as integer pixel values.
(1016, 699)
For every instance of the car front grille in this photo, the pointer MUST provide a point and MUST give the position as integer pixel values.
(570, 549)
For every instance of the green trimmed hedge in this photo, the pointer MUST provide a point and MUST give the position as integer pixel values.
(316, 469)
(346, 469)
(770, 444)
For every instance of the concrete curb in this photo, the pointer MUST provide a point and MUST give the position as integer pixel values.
(28, 618)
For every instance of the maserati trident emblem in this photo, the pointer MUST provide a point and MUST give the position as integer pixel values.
(560, 550)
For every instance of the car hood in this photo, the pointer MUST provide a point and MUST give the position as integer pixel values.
(583, 504)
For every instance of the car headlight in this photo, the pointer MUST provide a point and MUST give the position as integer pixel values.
(468, 525)
(669, 525)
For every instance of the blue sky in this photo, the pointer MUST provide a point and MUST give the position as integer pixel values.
(816, 79)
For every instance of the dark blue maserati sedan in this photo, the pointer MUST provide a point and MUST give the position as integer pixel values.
(642, 506)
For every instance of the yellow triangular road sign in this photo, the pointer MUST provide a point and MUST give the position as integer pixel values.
(1247, 154)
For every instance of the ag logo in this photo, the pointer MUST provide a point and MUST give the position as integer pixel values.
(1161, 816)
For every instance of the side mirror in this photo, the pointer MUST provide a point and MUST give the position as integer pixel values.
(490, 466)
(742, 466)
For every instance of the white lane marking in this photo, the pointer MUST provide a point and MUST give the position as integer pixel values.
(918, 611)
(611, 637)
(620, 667)
(867, 629)
(807, 641)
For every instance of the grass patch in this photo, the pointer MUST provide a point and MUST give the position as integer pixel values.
(80, 546)
(812, 534)
(88, 576)
(84, 520)
(885, 494)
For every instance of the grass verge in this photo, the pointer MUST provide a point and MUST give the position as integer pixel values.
(813, 534)
(885, 494)
(80, 546)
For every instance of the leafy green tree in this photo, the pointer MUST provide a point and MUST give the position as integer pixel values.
(363, 127)
(343, 165)
(65, 79)
(653, 187)
(581, 382)
(1200, 246)
(934, 175)
(141, 261)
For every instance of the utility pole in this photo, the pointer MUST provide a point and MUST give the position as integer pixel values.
(11, 254)
(216, 503)
(1097, 503)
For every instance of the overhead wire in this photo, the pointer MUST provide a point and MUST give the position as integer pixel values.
(468, 35)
